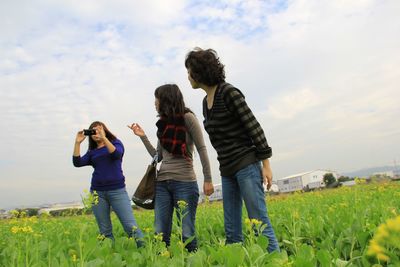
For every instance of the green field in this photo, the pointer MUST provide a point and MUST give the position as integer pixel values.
(349, 226)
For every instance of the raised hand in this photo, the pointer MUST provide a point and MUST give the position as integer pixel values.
(137, 130)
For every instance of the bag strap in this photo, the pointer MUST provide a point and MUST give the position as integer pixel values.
(154, 161)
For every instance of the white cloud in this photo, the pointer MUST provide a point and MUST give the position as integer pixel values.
(293, 103)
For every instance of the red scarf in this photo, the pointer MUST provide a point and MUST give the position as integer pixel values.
(172, 135)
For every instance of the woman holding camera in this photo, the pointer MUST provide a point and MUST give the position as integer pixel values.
(178, 131)
(105, 154)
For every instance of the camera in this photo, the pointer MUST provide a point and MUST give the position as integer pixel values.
(89, 131)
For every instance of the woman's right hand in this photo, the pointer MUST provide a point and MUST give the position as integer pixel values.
(136, 129)
(79, 137)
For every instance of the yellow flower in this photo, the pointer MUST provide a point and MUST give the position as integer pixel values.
(182, 204)
(147, 230)
(165, 253)
(158, 237)
(374, 248)
(15, 229)
(95, 198)
(73, 258)
(14, 213)
(27, 229)
(382, 233)
(385, 239)
(360, 180)
(256, 222)
(394, 224)
(33, 219)
(382, 257)
(101, 237)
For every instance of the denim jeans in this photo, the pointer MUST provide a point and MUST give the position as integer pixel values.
(119, 201)
(168, 193)
(245, 184)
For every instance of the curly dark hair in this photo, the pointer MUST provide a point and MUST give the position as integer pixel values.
(171, 101)
(109, 135)
(204, 66)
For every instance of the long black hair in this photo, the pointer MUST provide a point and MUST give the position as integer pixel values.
(171, 103)
(109, 135)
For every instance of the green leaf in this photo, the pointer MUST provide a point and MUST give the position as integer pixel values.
(305, 257)
(234, 254)
(277, 259)
(94, 263)
(324, 258)
(198, 259)
(262, 241)
(341, 263)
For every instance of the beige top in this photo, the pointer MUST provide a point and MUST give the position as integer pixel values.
(179, 168)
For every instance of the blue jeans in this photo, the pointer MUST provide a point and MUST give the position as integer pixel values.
(119, 200)
(246, 184)
(168, 193)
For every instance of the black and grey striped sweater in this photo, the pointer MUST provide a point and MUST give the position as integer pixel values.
(234, 132)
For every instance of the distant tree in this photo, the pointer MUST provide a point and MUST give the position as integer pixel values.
(329, 179)
(344, 179)
(69, 212)
(27, 212)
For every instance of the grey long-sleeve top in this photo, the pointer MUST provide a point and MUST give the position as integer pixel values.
(179, 168)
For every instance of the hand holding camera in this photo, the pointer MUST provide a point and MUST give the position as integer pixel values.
(80, 136)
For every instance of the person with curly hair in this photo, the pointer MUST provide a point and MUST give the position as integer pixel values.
(242, 148)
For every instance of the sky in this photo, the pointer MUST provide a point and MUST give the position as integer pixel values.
(321, 77)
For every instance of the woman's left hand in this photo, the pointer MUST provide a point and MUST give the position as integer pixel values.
(208, 188)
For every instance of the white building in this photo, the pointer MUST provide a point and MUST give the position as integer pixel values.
(4, 214)
(217, 195)
(303, 181)
(349, 183)
(385, 173)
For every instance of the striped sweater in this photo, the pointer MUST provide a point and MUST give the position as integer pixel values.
(234, 132)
